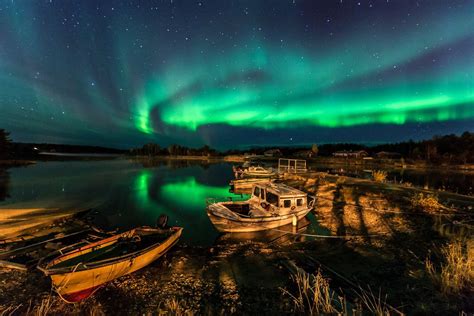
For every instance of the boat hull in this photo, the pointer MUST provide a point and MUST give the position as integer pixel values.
(74, 286)
(244, 186)
(245, 225)
(258, 175)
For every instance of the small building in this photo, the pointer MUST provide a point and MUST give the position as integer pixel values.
(351, 154)
(304, 154)
(272, 153)
(388, 155)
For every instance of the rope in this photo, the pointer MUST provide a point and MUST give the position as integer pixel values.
(65, 282)
(324, 236)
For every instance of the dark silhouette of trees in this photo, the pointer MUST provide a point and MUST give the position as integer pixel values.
(4, 184)
(5, 143)
(448, 149)
(172, 150)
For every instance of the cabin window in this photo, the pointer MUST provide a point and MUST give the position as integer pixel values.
(256, 191)
(262, 194)
(272, 198)
(299, 202)
(286, 203)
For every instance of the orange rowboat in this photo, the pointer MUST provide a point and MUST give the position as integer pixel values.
(77, 274)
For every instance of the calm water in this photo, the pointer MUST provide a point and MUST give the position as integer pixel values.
(131, 193)
(124, 193)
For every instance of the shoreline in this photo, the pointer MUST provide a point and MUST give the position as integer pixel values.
(374, 164)
(245, 276)
(9, 163)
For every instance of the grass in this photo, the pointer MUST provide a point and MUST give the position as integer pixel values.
(51, 305)
(427, 203)
(314, 295)
(456, 273)
(43, 308)
(373, 303)
(175, 307)
(379, 175)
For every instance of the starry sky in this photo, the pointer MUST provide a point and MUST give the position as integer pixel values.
(234, 74)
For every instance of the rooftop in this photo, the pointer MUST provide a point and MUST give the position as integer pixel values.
(281, 189)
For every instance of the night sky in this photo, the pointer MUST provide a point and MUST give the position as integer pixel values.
(235, 73)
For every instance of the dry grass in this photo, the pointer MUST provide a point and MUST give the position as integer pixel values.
(456, 274)
(42, 309)
(373, 303)
(341, 180)
(407, 184)
(315, 297)
(175, 307)
(379, 175)
(428, 203)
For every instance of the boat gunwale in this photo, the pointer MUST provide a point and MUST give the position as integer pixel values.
(259, 219)
(49, 269)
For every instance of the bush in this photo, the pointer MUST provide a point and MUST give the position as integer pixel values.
(379, 175)
(427, 203)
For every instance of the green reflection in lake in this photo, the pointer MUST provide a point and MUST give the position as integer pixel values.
(191, 193)
(122, 193)
(141, 189)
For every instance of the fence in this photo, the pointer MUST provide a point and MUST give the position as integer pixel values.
(291, 165)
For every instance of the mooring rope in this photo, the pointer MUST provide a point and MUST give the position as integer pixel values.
(325, 236)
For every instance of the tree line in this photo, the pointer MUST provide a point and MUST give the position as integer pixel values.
(152, 149)
(5, 143)
(451, 149)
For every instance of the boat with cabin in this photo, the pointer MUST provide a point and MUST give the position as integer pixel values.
(271, 205)
(244, 186)
(248, 171)
(258, 171)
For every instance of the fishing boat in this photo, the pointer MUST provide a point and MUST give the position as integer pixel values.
(282, 235)
(258, 172)
(248, 171)
(78, 273)
(271, 205)
(244, 186)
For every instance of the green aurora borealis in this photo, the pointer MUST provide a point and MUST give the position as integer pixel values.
(265, 72)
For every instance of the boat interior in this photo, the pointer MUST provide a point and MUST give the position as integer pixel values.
(122, 246)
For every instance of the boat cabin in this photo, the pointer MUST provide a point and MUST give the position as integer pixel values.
(278, 196)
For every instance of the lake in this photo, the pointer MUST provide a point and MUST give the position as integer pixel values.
(128, 193)
(124, 193)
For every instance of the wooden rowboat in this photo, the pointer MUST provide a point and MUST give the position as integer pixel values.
(77, 274)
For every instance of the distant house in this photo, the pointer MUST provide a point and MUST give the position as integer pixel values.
(351, 154)
(304, 154)
(388, 155)
(272, 153)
